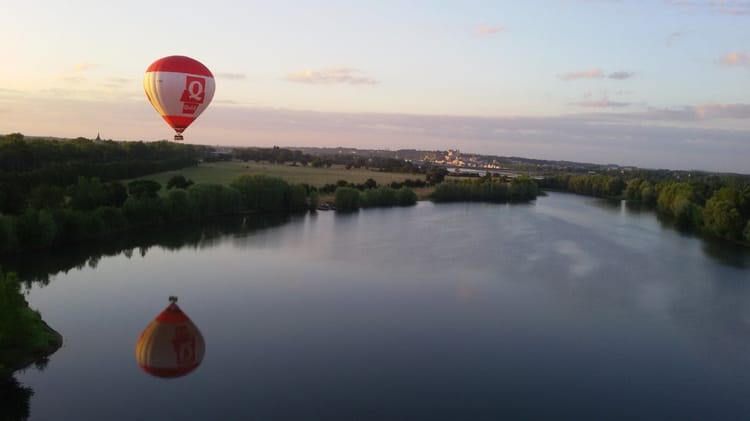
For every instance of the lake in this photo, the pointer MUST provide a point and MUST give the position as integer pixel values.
(570, 307)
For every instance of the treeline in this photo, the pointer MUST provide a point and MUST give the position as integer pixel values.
(91, 209)
(27, 165)
(714, 205)
(349, 199)
(371, 184)
(722, 213)
(487, 189)
(279, 155)
(599, 185)
(274, 155)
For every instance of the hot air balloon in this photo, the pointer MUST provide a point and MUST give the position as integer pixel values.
(179, 88)
(171, 345)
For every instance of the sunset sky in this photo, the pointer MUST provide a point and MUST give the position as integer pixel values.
(650, 83)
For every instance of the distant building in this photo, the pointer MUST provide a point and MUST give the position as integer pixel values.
(98, 138)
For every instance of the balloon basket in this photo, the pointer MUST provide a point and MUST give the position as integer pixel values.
(178, 137)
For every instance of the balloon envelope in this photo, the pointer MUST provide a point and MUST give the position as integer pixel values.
(171, 345)
(179, 88)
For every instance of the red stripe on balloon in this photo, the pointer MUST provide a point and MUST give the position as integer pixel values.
(169, 372)
(172, 315)
(179, 64)
(178, 123)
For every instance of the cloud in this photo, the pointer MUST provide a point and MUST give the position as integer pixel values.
(119, 81)
(735, 12)
(72, 79)
(82, 67)
(736, 59)
(594, 73)
(621, 75)
(331, 76)
(600, 103)
(725, 7)
(490, 30)
(10, 93)
(720, 111)
(673, 37)
(231, 76)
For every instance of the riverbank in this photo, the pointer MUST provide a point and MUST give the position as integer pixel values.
(25, 359)
(25, 338)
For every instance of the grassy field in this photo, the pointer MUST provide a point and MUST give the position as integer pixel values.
(226, 172)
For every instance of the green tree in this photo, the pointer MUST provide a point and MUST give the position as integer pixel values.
(142, 210)
(721, 215)
(406, 197)
(297, 197)
(144, 188)
(370, 183)
(346, 199)
(116, 192)
(35, 229)
(177, 205)
(523, 189)
(213, 199)
(8, 239)
(263, 193)
(179, 182)
(87, 194)
(46, 196)
(313, 200)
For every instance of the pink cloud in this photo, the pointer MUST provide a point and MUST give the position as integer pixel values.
(600, 103)
(594, 73)
(490, 30)
(331, 76)
(735, 59)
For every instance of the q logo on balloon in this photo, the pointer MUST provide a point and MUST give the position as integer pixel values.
(194, 94)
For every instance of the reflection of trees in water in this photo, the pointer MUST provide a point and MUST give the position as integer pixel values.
(725, 252)
(15, 399)
(39, 266)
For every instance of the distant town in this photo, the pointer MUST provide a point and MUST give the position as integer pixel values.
(456, 161)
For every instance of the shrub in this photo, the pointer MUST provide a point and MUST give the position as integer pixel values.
(346, 199)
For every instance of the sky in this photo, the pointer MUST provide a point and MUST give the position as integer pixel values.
(650, 83)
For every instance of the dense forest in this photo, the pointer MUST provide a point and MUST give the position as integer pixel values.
(55, 192)
(714, 205)
(38, 170)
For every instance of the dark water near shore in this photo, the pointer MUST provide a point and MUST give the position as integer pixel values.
(567, 308)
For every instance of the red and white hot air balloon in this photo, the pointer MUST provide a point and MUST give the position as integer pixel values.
(180, 88)
(171, 345)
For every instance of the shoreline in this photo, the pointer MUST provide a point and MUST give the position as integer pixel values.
(24, 361)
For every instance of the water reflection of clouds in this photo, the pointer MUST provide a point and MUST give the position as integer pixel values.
(581, 263)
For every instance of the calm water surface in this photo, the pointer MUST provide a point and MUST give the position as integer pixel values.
(566, 308)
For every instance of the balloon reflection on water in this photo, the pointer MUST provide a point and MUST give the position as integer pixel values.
(171, 345)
